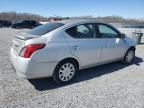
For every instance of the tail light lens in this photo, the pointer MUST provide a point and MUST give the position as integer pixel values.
(28, 50)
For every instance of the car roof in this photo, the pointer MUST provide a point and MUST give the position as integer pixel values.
(72, 22)
(75, 21)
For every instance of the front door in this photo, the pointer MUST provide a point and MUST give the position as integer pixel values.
(113, 46)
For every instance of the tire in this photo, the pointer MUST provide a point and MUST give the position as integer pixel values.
(65, 72)
(129, 56)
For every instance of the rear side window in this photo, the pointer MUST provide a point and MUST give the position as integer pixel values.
(81, 31)
(46, 28)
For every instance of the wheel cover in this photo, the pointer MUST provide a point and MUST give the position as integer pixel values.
(130, 56)
(66, 72)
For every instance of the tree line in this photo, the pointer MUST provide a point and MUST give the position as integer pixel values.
(13, 16)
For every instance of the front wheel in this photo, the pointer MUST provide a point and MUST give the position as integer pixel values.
(65, 71)
(129, 57)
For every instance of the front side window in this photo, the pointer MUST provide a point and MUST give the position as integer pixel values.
(107, 32)
(81, 31)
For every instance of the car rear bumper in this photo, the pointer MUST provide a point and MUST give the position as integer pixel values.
(28, 68)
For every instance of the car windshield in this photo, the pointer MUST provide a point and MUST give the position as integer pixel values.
(46, 28)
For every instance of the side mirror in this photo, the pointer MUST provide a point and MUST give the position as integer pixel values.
(123, 35)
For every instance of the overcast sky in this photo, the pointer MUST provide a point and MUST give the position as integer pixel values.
(124, 8)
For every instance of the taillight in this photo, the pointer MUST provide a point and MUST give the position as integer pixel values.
(28, 50)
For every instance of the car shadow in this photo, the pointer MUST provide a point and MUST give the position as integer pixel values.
(83, 75)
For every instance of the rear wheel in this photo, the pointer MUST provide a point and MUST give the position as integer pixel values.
(129, 57)
(65, 71)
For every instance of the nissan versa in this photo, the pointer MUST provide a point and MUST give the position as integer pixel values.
(59, 49)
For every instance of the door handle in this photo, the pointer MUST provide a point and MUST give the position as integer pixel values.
(76, 47)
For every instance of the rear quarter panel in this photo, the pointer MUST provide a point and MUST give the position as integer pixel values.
(56, 49)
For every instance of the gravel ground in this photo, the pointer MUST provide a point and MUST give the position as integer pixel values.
(109, 86)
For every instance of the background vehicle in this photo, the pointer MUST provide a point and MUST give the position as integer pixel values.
(1, 25)
(5, 23)
(60, 49)
(26, 24)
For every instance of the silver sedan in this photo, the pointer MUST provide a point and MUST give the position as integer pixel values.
(59, 49)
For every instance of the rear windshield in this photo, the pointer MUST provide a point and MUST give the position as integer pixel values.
(46, 28)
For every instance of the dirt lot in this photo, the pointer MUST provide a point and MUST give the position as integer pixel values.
(113, 85)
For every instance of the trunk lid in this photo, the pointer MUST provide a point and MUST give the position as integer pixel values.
(25, 36)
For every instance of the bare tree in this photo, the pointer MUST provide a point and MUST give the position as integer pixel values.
(13, 16)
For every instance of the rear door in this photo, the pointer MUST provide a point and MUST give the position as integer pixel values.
(113, 46)
(83, 44)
